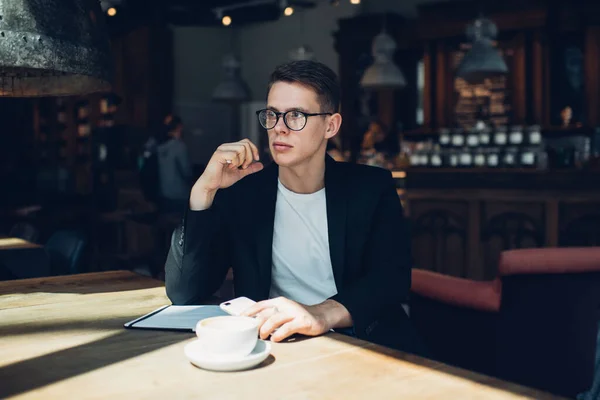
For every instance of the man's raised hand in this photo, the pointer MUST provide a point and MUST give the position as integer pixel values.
(228, 164)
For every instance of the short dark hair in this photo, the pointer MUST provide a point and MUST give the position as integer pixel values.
(319, 77)
(172, 122)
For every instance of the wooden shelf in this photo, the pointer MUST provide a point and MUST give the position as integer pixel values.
(545, 131)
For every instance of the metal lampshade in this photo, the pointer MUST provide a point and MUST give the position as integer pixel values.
(232, 88)
(53, 48)
(483, 60)
(383, 73)
(302, 53)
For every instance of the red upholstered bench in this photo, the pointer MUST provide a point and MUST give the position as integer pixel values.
(535, 324)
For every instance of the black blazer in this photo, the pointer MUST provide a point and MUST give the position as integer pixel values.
(368, 242)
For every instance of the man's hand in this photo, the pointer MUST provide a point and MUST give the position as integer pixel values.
(288, 317)
(228, 164)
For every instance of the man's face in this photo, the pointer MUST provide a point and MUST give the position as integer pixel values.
(290, 148)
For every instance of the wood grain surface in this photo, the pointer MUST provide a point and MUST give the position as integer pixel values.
(63, 337)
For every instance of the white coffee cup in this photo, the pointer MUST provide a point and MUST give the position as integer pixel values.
(228, 336)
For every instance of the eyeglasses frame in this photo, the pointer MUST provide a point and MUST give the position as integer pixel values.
(284, 113)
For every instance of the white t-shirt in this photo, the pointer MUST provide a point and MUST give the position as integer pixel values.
(301, 269)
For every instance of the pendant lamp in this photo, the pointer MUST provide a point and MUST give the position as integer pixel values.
(383, 73)
(302, 52)
(483, 60)
(53, 48)
(232, 88)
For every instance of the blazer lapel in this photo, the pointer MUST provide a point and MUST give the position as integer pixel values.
(337, 205)
(264, 223)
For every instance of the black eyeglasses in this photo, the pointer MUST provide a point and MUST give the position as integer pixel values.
(293, 119)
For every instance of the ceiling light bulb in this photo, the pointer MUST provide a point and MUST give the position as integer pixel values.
(288, 11)
(226, 20)
(111, 12)
(354, 1)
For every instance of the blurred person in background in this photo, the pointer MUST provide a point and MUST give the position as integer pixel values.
(174, 168)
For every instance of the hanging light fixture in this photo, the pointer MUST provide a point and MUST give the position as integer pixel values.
(383, 73)
(302, 52)
(483, 60)
(232, 88)
(53, 48)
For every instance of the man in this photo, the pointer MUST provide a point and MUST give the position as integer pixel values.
(320, 244)
(174, 167)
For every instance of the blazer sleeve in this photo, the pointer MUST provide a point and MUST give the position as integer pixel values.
(198, 259)
(386, 281)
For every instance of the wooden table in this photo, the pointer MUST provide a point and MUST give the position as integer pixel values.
(10, 243)
(23, 259)
(62, 337)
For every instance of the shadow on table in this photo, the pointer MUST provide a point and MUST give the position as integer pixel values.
(33, 327)
(37, 372)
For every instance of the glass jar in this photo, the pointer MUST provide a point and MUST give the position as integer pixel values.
(435, 158)
(415, 159)
(485, 137)
(465, 159)
(510, 158)
(479, 158)
(458, 138)
(493, 158)
(500, 136)
(534, 135)
(444, 139)
(528, 157)
(473, 139)
(515, 138)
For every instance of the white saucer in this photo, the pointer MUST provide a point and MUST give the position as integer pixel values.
(194, 353)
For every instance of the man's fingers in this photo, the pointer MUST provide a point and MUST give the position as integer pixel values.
(274, 322)
(249, 155)
(245, 146)
(259, 307)
(239, 151)
(227, 157)
(252, 168)
(256, 308)
(287, 330)
(260, 320)
(254, 150)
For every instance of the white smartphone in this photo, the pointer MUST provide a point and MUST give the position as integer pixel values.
(236, 306)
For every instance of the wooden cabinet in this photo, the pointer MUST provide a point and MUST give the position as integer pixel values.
(462, 232)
